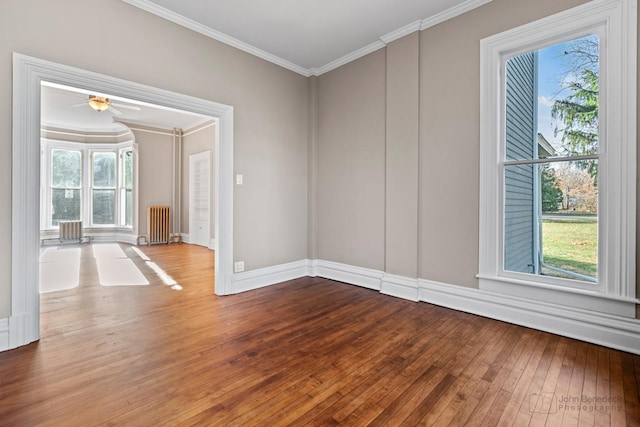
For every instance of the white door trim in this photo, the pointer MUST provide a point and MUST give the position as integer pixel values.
(28, 72)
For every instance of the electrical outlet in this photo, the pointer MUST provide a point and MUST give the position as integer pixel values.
(239, 179)
(238, 266)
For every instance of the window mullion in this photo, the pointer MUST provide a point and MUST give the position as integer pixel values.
(551, 160)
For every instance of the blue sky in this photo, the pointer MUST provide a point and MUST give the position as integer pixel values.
(552, 69)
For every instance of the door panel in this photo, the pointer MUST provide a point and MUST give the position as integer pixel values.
(200, 198)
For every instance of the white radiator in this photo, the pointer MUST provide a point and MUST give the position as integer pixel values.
(70, 230)
(158, 225)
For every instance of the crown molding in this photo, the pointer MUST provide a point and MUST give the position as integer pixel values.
(198, 128)
(401, 32)
(216, 35)
(132, 125)
(452, 12)
(348, 58)
(87, 133)
(314, 71)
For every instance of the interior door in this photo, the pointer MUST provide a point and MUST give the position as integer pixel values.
(200, 198)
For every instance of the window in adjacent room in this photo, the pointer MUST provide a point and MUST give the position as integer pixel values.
(65, 185)
(103, 187)
(126, 186)
(88, 182)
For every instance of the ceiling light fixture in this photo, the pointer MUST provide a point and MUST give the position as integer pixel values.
(98, 103)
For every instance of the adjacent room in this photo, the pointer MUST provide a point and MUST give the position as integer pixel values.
(308, 213)
(116, 172)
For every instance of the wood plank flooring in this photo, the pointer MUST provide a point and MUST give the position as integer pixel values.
(309, 352)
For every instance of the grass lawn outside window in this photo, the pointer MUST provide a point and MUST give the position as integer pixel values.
(571, 244)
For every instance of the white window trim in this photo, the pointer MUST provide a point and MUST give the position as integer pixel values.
(48, 145)
(121, 188)
(616, 293)
(91, 188)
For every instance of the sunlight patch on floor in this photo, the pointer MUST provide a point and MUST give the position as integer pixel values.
(166, 278)
(140, 254)
(59, 269)
(115, 268)
(119, 272)
(108, 250)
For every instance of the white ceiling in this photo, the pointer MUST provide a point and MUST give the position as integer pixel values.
(65, 107)
(307, 36)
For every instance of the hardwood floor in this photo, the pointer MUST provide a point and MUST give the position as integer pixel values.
(306, 352)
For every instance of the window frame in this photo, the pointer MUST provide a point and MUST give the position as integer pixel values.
(86, 150)
(536, 162)
(93, 149)
(614, 21)
(49, 180)
(122, 187)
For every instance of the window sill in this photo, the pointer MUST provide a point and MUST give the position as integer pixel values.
(108, 227)
(559, 295)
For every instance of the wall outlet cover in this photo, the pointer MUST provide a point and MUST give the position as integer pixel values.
(238, 266)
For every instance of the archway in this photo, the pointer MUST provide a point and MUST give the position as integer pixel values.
(24, 321)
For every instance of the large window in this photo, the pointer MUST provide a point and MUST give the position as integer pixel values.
(88, 182)
(557, 209)
(65, 185)
(103, 187)
(550, 161)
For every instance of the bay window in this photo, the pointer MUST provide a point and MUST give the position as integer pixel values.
(88, 182)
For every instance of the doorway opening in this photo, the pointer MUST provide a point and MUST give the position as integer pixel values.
(24, 322)
(102, 163)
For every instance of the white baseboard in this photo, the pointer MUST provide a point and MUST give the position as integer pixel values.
(609, 330)
(93, 238)
(127, 238)
(365, 277)
(255, 279)
(185, 239)
(618, 332)
(615, 331)
(400, 286)
(23, 329)
(4, 334)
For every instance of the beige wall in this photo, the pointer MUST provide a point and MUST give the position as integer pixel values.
(402, 155)
(270, 109)
(354, 177)
(351, 163)
(441, 193)
(197, 141)
(312, 174)
(155, 172)
(450, 129)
